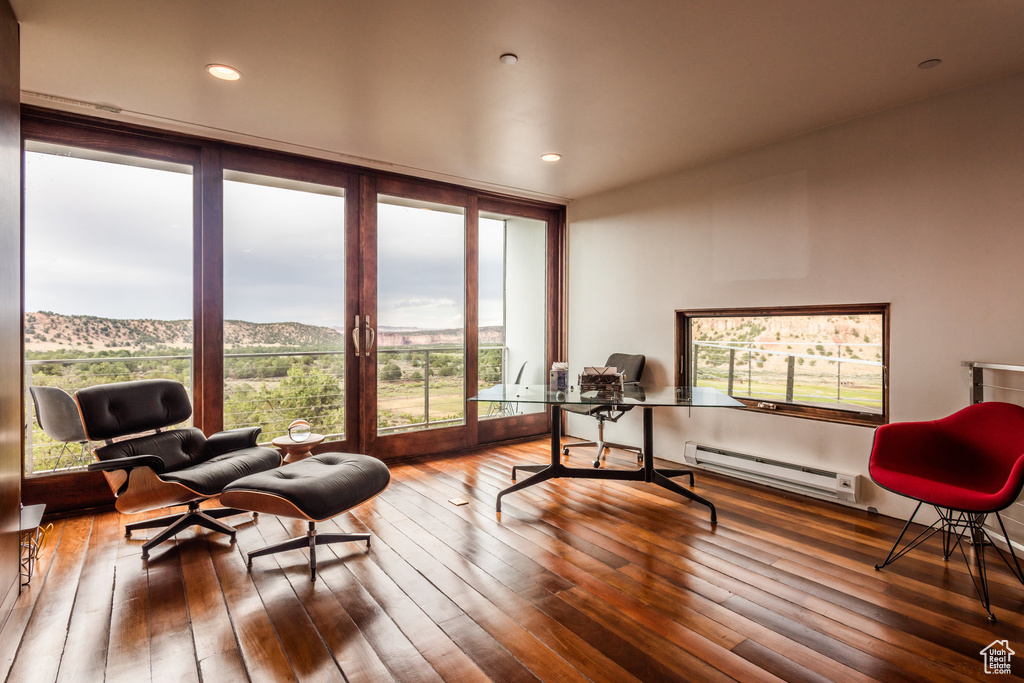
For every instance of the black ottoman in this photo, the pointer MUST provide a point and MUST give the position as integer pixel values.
(317, 488)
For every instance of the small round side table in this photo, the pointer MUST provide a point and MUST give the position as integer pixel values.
(297, 450)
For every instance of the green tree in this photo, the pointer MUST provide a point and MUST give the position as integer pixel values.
(390, 372)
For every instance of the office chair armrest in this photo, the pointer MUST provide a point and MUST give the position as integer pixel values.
(232, 440)
(128, 464)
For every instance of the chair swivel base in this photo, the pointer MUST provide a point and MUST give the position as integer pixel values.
(602, 446)
(174, 524)
(311, 540)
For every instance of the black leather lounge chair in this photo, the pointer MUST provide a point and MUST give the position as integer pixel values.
(173, 467)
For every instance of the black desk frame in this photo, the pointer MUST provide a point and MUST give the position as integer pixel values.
(648, 473)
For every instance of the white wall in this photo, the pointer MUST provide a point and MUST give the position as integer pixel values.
(525, 300)
(921, 206)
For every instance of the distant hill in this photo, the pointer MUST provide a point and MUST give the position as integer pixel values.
(47, 331)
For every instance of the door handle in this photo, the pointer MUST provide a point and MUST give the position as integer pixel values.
(355, 335)
(371, 336)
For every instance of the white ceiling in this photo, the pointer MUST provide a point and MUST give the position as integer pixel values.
(623, 89)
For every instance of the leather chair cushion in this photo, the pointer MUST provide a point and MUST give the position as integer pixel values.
(210, 477)
(323, 485)
(113, 410)
(177, 448)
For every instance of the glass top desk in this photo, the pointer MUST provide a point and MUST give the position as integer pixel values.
(647, 399)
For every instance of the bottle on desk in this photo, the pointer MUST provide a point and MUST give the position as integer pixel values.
(558, 377)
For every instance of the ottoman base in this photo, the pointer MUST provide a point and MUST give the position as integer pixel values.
(311, 540)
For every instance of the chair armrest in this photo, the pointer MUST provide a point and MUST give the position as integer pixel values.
(232, 440)
(905, 442)
(128, 464)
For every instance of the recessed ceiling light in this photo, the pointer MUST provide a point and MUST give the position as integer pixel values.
(929, 64)
(224, 72)
(508, 58)
(551, 156)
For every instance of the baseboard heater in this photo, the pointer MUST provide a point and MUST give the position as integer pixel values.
(798, 479)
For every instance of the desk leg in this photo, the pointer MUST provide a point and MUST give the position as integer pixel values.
(551, 471)
(657, 477)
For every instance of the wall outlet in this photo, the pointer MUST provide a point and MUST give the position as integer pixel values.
(846, 487)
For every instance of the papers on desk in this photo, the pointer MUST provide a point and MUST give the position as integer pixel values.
(596, 370)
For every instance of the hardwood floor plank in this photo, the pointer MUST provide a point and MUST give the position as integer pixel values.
(17, 622)
(44, 638)
(261, 650)
(129, 650)
(450, 662)
(524, 646)
(348, 646)
(476, 643)
(216, 649)
(308, 655)
(85, 651)
(576, 580)
(500, 584)
(775, 663)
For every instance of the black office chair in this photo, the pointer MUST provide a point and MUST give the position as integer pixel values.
(170, 467)
(57, 415)
(632, 367)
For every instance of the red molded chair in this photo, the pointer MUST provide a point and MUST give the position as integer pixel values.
(968, 465)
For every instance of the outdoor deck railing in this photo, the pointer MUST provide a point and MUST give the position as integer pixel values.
(726, 365)
(272, 389)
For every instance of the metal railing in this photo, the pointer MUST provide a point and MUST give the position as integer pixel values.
(269, 389)
(725, 362)
(418, 367)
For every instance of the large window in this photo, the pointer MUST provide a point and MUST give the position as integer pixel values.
(513, 303)
(108, 279)
(276, 287)
(284, 304)
(820, 362)
(421, 320)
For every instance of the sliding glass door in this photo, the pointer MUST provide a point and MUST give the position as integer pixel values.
(285, 305)
(278, 287)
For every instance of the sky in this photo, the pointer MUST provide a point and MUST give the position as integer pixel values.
(114, 240)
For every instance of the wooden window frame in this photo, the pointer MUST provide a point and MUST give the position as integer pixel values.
(209, 158)
(684, 366)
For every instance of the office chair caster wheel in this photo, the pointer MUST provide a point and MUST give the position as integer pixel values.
(127, 533)
(565, 450)
(597, 463)
(145, 554)
(233, 539)
(255, 517)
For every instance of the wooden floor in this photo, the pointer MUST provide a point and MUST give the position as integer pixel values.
(577, 580)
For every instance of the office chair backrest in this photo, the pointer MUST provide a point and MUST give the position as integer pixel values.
(112, 410)
(631, 365)
(519, 377)
(57, 414)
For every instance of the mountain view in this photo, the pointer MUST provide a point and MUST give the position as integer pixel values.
(47, 331)
(273, 372)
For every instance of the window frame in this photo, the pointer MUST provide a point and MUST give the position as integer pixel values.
(683, 359)
(209, 157)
